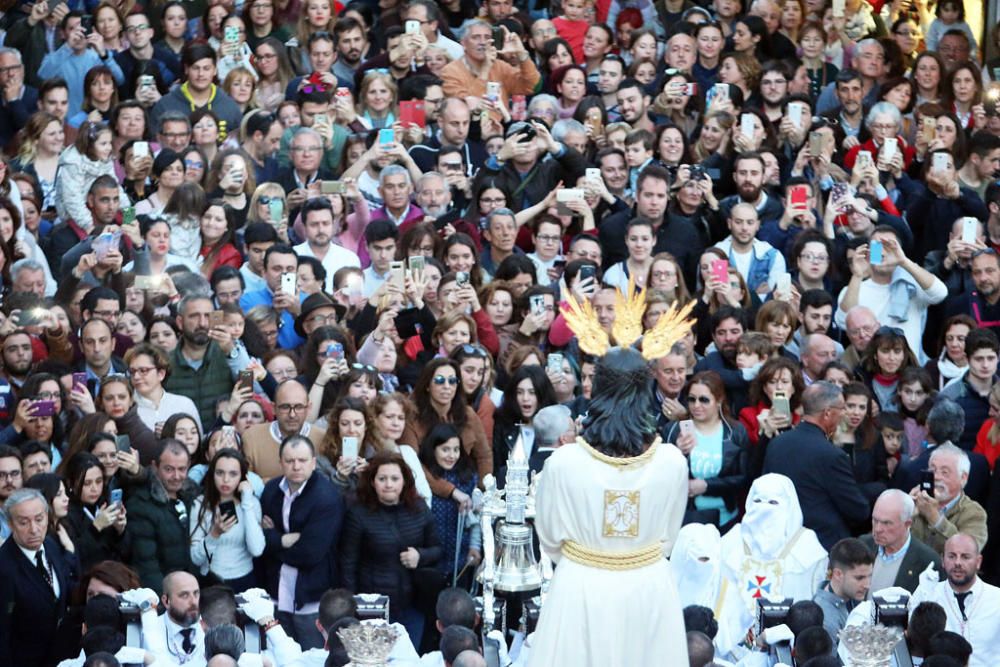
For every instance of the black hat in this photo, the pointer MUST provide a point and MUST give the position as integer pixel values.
(313, 303)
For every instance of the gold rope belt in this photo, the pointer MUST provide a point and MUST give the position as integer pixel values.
(613, 560)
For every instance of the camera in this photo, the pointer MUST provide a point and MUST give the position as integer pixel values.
(372, 606)
(891, 611)
(696, 172)
(772, 612)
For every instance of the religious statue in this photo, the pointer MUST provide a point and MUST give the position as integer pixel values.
(608, 509)
(770, 553)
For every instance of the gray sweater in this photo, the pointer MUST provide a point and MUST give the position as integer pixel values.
(222, 105)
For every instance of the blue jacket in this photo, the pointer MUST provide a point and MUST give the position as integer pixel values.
(764, 258)
(317, 515)
(287, 338)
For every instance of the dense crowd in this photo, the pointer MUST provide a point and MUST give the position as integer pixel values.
(282, 285)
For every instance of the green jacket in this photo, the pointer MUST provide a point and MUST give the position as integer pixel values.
(160, 536)
(966, 516)
(206, 384)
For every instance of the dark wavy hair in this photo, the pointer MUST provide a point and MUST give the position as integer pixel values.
(620, 422)
(509, 411)
(409, 497)
(440, 434)
(211, 497)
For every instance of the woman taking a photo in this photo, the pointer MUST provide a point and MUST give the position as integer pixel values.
(716, 450)
(226, 534)
(96, 526)
(387, 536)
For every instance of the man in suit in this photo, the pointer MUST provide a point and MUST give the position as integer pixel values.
(899, 556)
(35, 584)
(830, 497)
(303, 513)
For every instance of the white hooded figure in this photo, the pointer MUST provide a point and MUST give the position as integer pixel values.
(697, 561)
(771, 554)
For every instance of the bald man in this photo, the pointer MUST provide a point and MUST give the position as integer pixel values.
(177, 634)
(469, 659)
(971, 605)
(260, 442)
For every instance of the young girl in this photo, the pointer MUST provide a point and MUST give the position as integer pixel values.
(443, 457)
(915, 398)
(885, 358)
(79, 166)
(950, 16)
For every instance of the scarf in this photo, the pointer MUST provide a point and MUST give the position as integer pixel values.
(886, 380)
(902, 290)
(948, 369)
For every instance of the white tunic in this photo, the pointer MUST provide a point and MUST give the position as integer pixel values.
(596, 617)
(982, 608)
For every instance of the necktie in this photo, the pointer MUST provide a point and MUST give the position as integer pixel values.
(961, 603)
(44, 570)
(188, 644)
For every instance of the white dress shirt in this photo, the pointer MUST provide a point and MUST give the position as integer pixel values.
(30, 555)
(336, 258)
(982, 609)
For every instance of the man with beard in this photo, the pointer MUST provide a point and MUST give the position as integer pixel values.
(982, 302)
(728, 324)
(901, 288)
(200, 364)
(261, 441)
(263, 139)
(847, 113)
(18, 357)
(867, 68)
(748, 175)
(158, 513)
(633, 103)
(949, 510)
(670, 375)
(453, 130)
(815, 317)
(499, 238)
(678, 237)
(399, 60)
(317, 218)
(433, 196)
(971, 605)
(177, 636)
(352, 45)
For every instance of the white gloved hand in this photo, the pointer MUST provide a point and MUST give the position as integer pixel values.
(779, 633)
(497, 636)
(929, 576)
(131, 655)
(254, 593)
(137, 596)
(257, 608)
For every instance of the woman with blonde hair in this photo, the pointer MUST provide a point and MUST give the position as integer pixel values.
(241, 85)
(260, 208)
(377, 106)
(713, 140)
(316, 16)
(41, 143)
(742, 70)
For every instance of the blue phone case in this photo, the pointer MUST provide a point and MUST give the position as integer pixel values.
(875, 252)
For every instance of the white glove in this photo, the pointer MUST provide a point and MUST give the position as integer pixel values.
(254, 593)
(137, 596)
(497, 636)
(130, 655)
(779, 633)
(257, 608)
(929, 576)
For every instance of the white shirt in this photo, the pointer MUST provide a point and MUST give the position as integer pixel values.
(336, 258)
(163, 638)
(982, 608)
(170, 404)
(453, 48)
(373, 280)
(30, 555)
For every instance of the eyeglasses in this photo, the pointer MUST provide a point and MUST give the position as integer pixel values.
(983, 251)
(12, 68)
(12, 475)
(266, 200)
(368, 368)
(307, 149)
(812, 257)
(324, 319)
(47, 396)
(175, 135)
(193, 164)
(548, 238)
(288, 408)
(440, 380)
(704, 400)
(267, 56)
(107, 314)
(474, 350)
(452, 166)
(141, 370)
(137, 28)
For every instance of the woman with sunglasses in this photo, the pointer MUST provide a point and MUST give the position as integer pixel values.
(438, 399)
(528, 391)
(716, 447)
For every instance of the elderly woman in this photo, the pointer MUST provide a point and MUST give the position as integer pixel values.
(884, 121)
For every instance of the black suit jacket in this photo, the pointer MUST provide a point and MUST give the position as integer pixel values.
(918, 557)
(830, 498)
(29, 613)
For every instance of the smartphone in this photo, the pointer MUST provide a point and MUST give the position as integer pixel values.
(343, 91)
(554, 363)
(413, 27)
(87, 23)
(784, 283)
(720, 270)
(332, 187)
(146, 81)
(31, 317)
(493, 91)
(928, 125)
(349, 447)
(498, 38)
(80, 380)
(123, 443)
(719, 91)
(386, 136)
(927, 482)
(587, 271)
(594, 175)
(115, 498)
(44, 409)
(690, 89)
(128, 215)
(864, 160)
(276, 209)
(889, 149)
(970, 229)
(747, 125)
(148, 282)
(321, 119)
(289, 284)
(537, 302)
(940, 162)
(596, 120)
(816, 144)
(231, 34)
(246, 379)
(795, 113)
(416, 263)
(412, 112)
(462, 278)
(780, 404)
(798, 196)
(334, 351)
(140, 149)
(687, 427)
(229, 431)
(875, 252)
(227, 508)
(53, 4)
(565, 196)
(397, 274)
(216, 318)
(519, 108)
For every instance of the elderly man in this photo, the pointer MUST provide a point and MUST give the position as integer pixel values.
(467, 77)
(947, 510)
(830, 497)
(899, 556)
(17, 99)
(261, 442)
(433, 195)
(554, 427)
(860, 325)
(29, 275)
(817, 351)
(499, 239)
(395, 187)
(36, 578)
(669, 378)
(298, 178)
(971, 605)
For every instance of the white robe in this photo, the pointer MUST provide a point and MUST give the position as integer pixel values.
(982, 630)
(595, 617)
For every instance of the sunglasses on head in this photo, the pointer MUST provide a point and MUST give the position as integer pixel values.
(473, 350)
(440, 380)
(368, 368)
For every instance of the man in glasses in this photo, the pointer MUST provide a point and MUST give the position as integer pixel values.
(17, 99)
(830, 497)
(141, 55)
(11, 479)
(261, 441)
